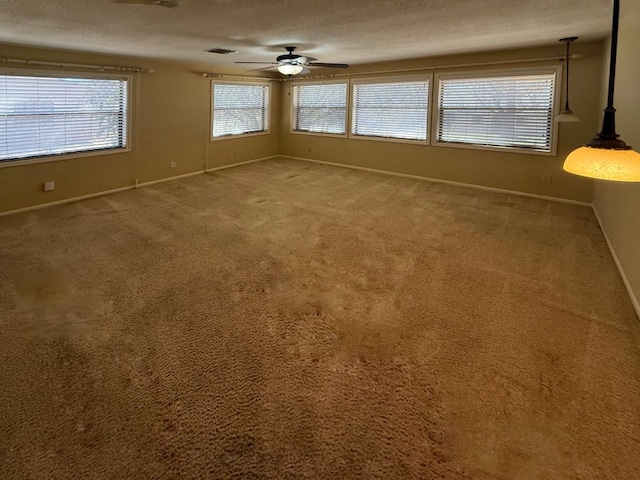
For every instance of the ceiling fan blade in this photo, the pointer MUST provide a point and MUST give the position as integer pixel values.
(258, 69)
(328, 65)
(293, 59)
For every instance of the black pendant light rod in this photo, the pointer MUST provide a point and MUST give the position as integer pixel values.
(608, 138)
(567, 40)
(614, 52)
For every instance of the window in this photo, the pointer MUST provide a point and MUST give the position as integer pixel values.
(239, 109)
(320, 108)
(391, 109)
(505, 111)
(53, 115)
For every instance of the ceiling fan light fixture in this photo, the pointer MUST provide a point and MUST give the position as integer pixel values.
(291, 64)
(290, 69)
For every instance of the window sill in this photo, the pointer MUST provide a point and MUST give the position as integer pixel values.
(516, 150)
(239, 135)
(389, 139)
(319, 134)
(62, 156)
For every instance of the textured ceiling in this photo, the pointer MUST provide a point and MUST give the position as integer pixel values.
(330, 30)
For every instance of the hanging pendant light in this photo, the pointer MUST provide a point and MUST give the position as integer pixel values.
(567, 115)
(606, 156)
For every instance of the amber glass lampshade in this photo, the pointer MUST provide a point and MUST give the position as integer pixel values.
(605, 164)
(607, 157)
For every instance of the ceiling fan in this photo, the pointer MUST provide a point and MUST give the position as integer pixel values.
(159, 3)
(292, 64)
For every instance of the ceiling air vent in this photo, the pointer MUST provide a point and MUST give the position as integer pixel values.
(222, 51)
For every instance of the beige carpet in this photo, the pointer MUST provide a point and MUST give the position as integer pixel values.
(286, 320)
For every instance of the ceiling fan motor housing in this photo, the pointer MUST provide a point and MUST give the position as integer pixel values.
(288, 58)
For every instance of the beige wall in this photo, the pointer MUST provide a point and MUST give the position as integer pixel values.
(511, 171)
(170, 122)
(171, 117)
(618, 204)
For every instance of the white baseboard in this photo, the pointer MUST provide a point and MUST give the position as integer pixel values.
(448, 182)
(66, 200)
(168, 179)
(128, 187)
(200, 172)
(215, 169)
(632, 295)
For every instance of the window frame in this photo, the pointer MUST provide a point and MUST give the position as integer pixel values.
(28, 72)
(392, 79)
(292, 109)
(546, 69)
(257, 82)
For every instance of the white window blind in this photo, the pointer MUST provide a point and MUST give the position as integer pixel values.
(391, 110)
(320, 108)
(239, 109)
(42, 115)
(508, 111)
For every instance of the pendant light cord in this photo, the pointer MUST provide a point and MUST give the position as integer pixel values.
(608, 138)
(567, 58)
(566, 100)
(614, 52)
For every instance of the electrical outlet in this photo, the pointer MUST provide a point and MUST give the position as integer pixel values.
(48, 186)
(173, 164)
(545, 179)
